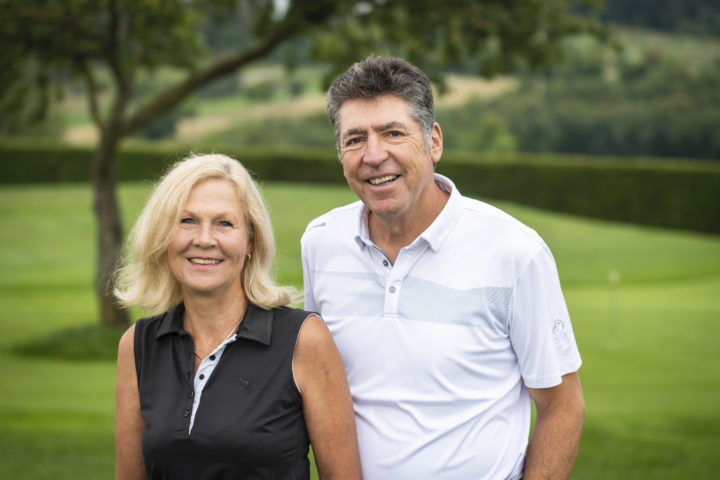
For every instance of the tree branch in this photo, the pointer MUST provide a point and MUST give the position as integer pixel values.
(92, 92)
(114, 55)
(172, 97)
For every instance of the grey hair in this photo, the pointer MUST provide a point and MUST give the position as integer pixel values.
(376, 76)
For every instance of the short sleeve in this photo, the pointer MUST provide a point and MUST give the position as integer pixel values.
(309, 303)
(540, 330)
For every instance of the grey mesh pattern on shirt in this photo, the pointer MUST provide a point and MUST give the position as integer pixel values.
(432, 302)
(426, 301)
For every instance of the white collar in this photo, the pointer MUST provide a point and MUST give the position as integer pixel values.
(439, 229)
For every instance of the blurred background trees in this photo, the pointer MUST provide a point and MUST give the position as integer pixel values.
(512, 77)
(639, 295)
(138, 60)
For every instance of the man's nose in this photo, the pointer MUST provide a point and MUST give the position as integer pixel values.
(376, 153)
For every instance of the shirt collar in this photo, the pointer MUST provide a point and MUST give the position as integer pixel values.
(256, 325)
(438, 230)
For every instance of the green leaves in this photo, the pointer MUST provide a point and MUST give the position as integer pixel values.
(127, 36)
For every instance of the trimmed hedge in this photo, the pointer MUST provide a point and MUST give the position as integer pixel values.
(42, 162)
(675, 194)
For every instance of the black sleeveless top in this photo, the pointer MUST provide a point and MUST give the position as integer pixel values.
(249, 423)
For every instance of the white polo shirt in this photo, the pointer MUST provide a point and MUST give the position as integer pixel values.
(439, 347)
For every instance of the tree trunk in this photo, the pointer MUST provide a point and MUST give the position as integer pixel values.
(109, 225)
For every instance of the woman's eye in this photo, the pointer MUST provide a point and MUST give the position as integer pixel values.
(225, 223)
(186, 221)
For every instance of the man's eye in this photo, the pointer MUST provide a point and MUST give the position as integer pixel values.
(353, 141)
(395, 133)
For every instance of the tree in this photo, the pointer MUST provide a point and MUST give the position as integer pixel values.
(46, 42)
(697, 17)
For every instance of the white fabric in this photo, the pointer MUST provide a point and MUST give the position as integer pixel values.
(439, 347)
(207, 366)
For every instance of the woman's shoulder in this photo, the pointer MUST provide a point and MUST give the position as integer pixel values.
(302, 322)
(151, 323)
(294, 314)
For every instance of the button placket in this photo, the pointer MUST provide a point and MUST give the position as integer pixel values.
(203, 373)
(395, 278)
(393, 284)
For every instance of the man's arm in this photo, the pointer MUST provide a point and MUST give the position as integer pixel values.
(555, 438)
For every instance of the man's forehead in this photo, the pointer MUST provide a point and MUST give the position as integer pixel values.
(376, 113)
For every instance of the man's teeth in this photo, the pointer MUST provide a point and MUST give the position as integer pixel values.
(386, 178)
(205, 261)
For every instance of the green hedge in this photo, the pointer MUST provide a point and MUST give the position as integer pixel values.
(42, 162)
(675, 194)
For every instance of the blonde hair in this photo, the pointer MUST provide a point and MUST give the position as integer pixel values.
(145, 279)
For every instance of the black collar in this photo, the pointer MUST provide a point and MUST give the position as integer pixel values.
(256, 325)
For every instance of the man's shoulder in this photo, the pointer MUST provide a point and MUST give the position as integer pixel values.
(338, 220)
(483, 216)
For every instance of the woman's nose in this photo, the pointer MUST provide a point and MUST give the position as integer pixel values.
(204, 236)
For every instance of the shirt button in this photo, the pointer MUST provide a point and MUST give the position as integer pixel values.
(202, 376)
(187, 413)
(385, 263)
(212, 357)
(392, 289)
(191, 394)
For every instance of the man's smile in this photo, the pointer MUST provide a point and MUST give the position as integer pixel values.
(382, 180)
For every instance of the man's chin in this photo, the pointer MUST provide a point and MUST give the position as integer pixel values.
(387, 210)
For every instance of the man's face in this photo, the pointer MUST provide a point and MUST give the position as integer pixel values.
(385, 157)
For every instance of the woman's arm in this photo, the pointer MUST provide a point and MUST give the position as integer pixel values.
(327, 404)
(128, 421)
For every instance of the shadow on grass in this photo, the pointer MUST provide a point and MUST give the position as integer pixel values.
(37, 453)
(645, 447)
(82, 343)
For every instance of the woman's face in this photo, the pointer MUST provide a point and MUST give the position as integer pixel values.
(208, 248)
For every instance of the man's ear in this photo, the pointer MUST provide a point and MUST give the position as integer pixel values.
(436, 148)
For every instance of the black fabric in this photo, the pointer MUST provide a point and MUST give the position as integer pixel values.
(249, 424)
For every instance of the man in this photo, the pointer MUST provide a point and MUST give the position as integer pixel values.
(448, 312)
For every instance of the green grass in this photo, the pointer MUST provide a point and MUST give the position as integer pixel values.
(649, 342)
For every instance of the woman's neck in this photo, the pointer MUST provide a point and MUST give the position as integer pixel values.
(213, 314)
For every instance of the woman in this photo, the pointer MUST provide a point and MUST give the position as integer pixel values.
(223, 380)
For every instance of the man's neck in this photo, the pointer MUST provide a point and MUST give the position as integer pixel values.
(391, 234)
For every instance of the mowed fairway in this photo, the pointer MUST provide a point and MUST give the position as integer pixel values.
(645, 305)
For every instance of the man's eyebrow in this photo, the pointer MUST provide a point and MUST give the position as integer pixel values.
(354, 131)
(389, 126)
(378, 128)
